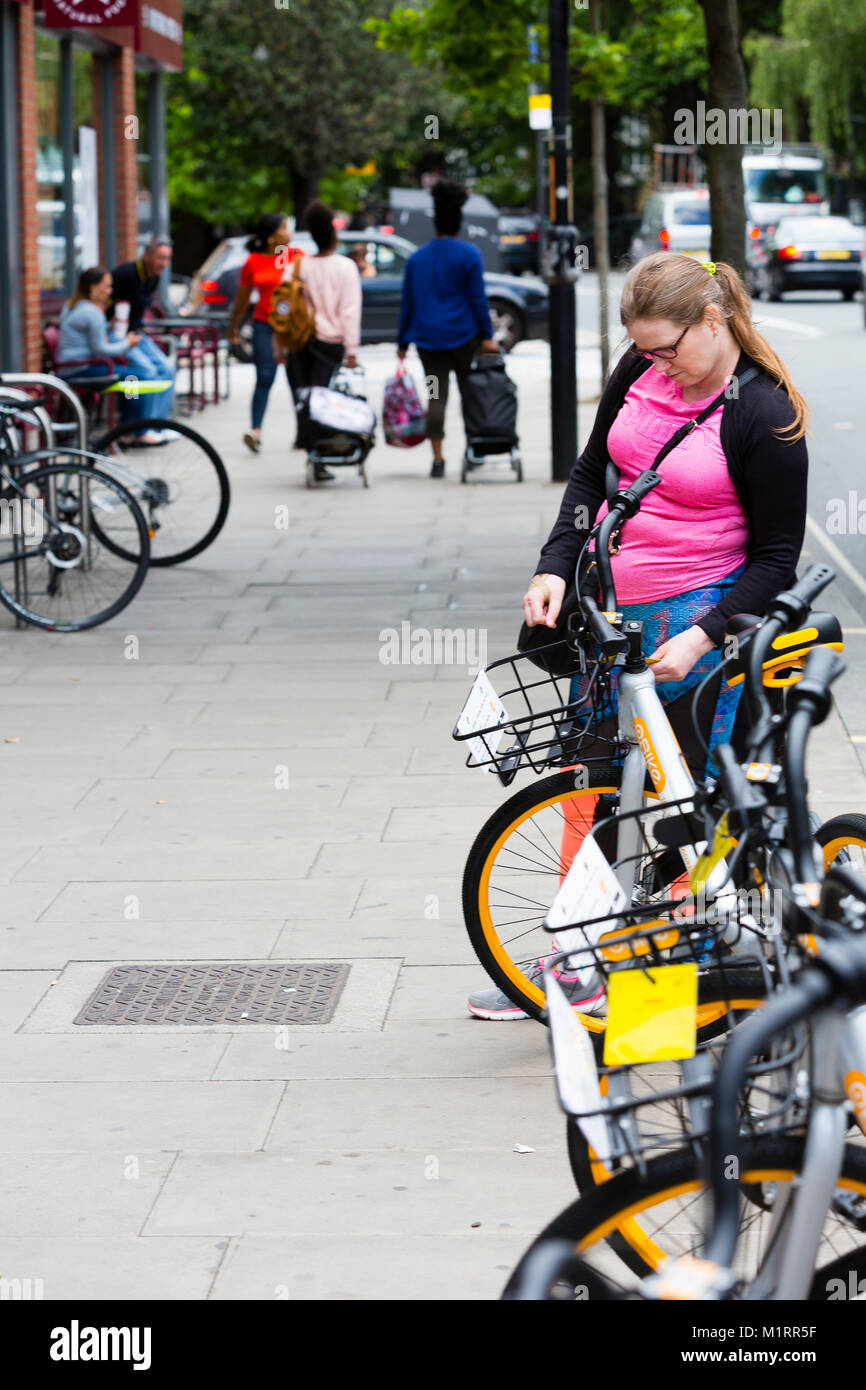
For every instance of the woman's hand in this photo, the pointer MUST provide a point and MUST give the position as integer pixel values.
(351, 361)
(490, 345)
(281, 356)
(673, 660)
(543, 600)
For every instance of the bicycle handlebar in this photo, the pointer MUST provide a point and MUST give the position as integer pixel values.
(785, 611)
(810, 704)
(625, 504)
(605, 634)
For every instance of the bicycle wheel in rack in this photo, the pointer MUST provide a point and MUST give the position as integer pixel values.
(515, 866)
(843, 840)
(57, 570)
(664, 1210)
(181, 485)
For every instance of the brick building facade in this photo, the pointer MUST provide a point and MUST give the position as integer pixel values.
(82, 102)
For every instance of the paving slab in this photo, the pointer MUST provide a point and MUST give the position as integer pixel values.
(327, 1191)
(338, 1268)
(73, 1268)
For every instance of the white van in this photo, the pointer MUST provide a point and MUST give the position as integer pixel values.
(677, 220)
(791, 183)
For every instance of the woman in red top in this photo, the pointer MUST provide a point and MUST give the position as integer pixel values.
(270, 253)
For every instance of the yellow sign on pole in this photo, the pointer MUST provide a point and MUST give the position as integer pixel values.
(540, 111)
(365, 169)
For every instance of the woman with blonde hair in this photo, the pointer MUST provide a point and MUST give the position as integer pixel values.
(722, 532)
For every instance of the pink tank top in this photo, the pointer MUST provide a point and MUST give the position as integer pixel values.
(691, 530)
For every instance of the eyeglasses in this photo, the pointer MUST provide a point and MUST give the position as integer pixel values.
(666, 354)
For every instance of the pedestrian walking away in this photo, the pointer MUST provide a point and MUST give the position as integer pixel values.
(444, 310)
(269, 255)
(333, 287)
(136, 283)
(722, 532)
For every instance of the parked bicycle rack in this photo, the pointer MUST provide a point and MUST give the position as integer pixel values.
(11, 383)
(57, 384)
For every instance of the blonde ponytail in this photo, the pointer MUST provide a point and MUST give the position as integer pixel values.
(670, 286)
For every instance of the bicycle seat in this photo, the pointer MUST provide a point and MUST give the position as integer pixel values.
(91, 383)
(790, 649)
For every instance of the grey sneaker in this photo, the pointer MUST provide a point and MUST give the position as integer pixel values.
(494, 1005)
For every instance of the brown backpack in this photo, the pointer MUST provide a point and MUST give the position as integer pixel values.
(291, 317)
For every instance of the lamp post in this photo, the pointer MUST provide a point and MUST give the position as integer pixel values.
(559, 267)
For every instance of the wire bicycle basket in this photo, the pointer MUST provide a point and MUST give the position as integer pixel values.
(652, 1091)
(549, 727)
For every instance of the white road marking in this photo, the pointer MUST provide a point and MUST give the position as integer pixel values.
(836, 555)
(806, 330)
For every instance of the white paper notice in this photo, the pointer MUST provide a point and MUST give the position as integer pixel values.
(589, 889)
(483, 710)
(576, 1071)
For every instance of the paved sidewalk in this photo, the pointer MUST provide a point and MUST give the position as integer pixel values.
(147, 818)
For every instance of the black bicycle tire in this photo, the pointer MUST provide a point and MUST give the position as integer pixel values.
(139, 573)
(847, 825)
(162, 561)
(548, 788)
(603, 1203)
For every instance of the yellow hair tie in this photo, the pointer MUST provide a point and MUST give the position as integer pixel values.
(710, 266)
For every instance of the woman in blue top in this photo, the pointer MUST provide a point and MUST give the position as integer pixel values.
(444, 311)
(84, 335)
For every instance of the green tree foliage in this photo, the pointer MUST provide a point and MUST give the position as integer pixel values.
(273, 99)
(820, 57)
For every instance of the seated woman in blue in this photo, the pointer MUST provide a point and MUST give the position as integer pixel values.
(84, 335)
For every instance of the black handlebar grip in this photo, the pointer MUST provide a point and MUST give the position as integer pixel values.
(628, 499)
(823, 667)
(644, 483)
(813, 583)
(796, 601)
(606, 636)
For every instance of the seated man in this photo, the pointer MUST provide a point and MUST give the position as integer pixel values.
(136, 283)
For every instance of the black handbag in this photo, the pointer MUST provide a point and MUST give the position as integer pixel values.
(549, 647)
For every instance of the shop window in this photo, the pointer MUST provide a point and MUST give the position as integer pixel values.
(51, 201)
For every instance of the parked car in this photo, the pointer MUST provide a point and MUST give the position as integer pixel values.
(519, 242)
(811, 253)
(674, 221)
(518, 304)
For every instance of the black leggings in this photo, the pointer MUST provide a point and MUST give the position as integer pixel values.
(437, 371)
(314, 365)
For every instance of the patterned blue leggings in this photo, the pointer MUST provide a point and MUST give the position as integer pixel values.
(667, 617)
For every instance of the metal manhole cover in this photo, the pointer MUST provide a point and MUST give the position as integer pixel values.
(200, 993)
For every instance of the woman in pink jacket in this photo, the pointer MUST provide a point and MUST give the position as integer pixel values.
(333, 287)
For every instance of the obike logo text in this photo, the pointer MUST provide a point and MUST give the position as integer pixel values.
(647, 747)
(855, 1086)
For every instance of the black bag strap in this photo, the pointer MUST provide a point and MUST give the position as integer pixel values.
(611, 476)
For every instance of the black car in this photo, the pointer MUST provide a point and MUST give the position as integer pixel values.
(518, 304)
(519, 242)
(811, 253)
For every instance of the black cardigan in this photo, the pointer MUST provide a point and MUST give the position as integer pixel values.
(769, 476)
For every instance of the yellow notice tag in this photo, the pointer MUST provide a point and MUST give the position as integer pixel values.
(652, 1014)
